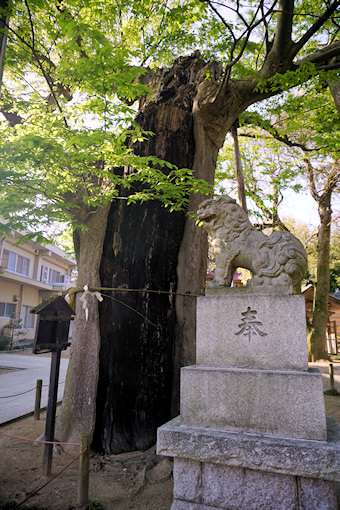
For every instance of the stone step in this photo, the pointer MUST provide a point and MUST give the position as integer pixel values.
(285, 404)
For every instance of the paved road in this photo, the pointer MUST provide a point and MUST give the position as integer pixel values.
(13, 382)
(324, 369)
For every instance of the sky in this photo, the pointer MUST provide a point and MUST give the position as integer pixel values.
(302, 207)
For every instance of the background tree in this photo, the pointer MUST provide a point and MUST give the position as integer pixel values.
(308, 236)
(263, 50)
(301, 123)
(13, 326)
(268, 173)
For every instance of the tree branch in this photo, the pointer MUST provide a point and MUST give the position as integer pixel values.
(267, 126)
(79, 40)
(38, 58)
(41, 67)
(314, 28)
(323, 55)
(266, 32)
(280, 58)
(6, 105)
(283, 35)
(333, 178)
(274, 219)
(311, 179)
(246, 34)
(227, 25)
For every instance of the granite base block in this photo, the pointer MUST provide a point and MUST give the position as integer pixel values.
(317, 494)
(200, 486)
(307, 459)
(276, 324)
(276, 403)
(185, 505)
(178, 504)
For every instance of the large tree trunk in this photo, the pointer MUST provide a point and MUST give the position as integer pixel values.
(77, 413)
(317, 335)
(148, 248)
(214, 114)
(140, 252)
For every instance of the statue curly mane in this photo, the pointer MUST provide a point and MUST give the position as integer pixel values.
(278, 259)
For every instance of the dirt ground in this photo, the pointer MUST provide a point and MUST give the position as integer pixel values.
(119, 482)
(129, 481)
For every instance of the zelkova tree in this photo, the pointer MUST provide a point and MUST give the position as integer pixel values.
(189, 105)
(268, 171)
(129, 406)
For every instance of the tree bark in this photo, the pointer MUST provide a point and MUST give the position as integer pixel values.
(140, 252)
(3, 40)
(77, 413)
(317, 335)
(334, 88)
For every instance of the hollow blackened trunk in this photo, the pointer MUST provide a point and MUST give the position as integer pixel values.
(138, 327)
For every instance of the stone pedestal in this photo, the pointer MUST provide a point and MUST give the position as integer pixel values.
(252, 432)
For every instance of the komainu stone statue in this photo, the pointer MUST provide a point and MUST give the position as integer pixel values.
(278, 259)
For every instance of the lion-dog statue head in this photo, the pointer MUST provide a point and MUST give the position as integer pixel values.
(278, 259)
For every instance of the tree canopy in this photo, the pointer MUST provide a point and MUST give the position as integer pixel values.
(290, 142)
(67, 101)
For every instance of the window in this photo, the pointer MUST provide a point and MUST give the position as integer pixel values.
(22, 265)
(54, 276)
(44, 274)
(14, 262)
(7, 309)
(5, 257)
(12, 258)
(49, 275)
(27, 318)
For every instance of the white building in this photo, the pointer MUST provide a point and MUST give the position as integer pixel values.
(29, 274)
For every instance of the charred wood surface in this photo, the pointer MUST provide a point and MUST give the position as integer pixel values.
(140, 252)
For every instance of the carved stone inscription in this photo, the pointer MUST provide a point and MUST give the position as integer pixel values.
(250, 325)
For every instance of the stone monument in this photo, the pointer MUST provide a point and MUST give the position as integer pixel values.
(252, 431)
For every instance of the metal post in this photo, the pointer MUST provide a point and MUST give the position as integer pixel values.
(331, 376)
(37, 400)
(51, 411)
